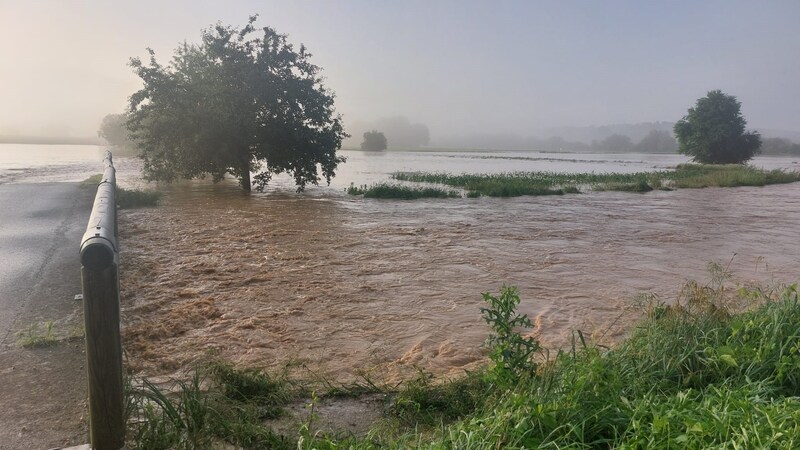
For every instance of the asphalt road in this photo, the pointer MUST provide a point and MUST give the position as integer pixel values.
(42, 390)
(40, 229)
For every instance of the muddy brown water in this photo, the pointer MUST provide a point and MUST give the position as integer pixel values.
(346, 285)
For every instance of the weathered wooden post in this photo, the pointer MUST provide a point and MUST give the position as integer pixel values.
(99, 260)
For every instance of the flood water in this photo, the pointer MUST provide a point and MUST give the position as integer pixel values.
(347, 285)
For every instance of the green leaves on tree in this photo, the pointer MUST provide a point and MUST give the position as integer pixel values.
(242, 100)
(713, 132)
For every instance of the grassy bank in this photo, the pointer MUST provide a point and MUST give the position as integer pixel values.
(548, 183)
(719, 368)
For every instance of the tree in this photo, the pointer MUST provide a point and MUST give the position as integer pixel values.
(236, 104)
(779, 146)
(374, 141)
(657, 141)
(114, 130)
(614, 143)
(713, 132)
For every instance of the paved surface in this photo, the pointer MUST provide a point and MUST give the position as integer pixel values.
(42, 391)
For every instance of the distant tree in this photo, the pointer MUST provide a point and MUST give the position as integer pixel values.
(374, 141)
(114, 130)
(657, 141)
(713, 132)
(779, 146)
(614, 143)
(236, 104)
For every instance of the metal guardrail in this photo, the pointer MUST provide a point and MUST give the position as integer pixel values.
(99, 261)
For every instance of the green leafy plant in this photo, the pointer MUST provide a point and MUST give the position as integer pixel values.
(510, 352)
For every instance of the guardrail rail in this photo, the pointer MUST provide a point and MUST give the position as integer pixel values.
(99, 277)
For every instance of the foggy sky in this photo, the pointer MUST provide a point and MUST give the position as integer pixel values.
(458, 67)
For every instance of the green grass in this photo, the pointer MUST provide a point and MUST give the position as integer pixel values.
(136, 198)
(37, 335)
(548, 183)
(92, 181)
(728, 175)
(217, 406)
(716, 368)
(396, 191)
(126, 198)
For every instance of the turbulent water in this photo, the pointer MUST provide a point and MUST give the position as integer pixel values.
(347, 285)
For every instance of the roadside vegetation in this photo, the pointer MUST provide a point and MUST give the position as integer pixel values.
(548, 183)
(717, 368)
(126, 198)
(37, 335)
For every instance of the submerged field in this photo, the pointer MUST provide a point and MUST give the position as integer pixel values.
(549, 183)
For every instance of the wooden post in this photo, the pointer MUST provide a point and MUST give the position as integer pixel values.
(99, 276)
(104, 357)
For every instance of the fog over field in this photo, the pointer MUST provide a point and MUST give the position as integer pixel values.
(453, 69)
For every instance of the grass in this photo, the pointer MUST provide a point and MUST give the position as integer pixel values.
(218, 406)
(126, 198)
(37, 335)
(396, 191)
(136, 198)
(92, 181)
(716, 368)
(549, 183)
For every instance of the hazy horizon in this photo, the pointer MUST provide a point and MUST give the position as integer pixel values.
(458, 68)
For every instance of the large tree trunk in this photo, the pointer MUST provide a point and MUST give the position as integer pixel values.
(245, 180)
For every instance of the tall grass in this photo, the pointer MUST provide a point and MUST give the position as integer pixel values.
(218, 406)
(396, 191)
(549, 183)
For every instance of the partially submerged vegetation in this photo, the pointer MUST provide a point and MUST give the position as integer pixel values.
(396, 191)
(550, 183)
(136, 198)
(127, 198)
(718, 368)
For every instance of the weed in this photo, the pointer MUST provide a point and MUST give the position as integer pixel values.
(424, 401)
(510, 352)
(34, 337)
(223, 406)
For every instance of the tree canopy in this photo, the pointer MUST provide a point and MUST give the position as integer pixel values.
(242, 100)
(713, 132)
(114, 130)
(374, 141)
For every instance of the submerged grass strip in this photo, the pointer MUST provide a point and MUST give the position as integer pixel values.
(396, 191)
(549, 183)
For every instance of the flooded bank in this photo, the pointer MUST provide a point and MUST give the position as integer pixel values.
(348, 285)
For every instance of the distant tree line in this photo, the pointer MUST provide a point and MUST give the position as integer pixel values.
(779, 146)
